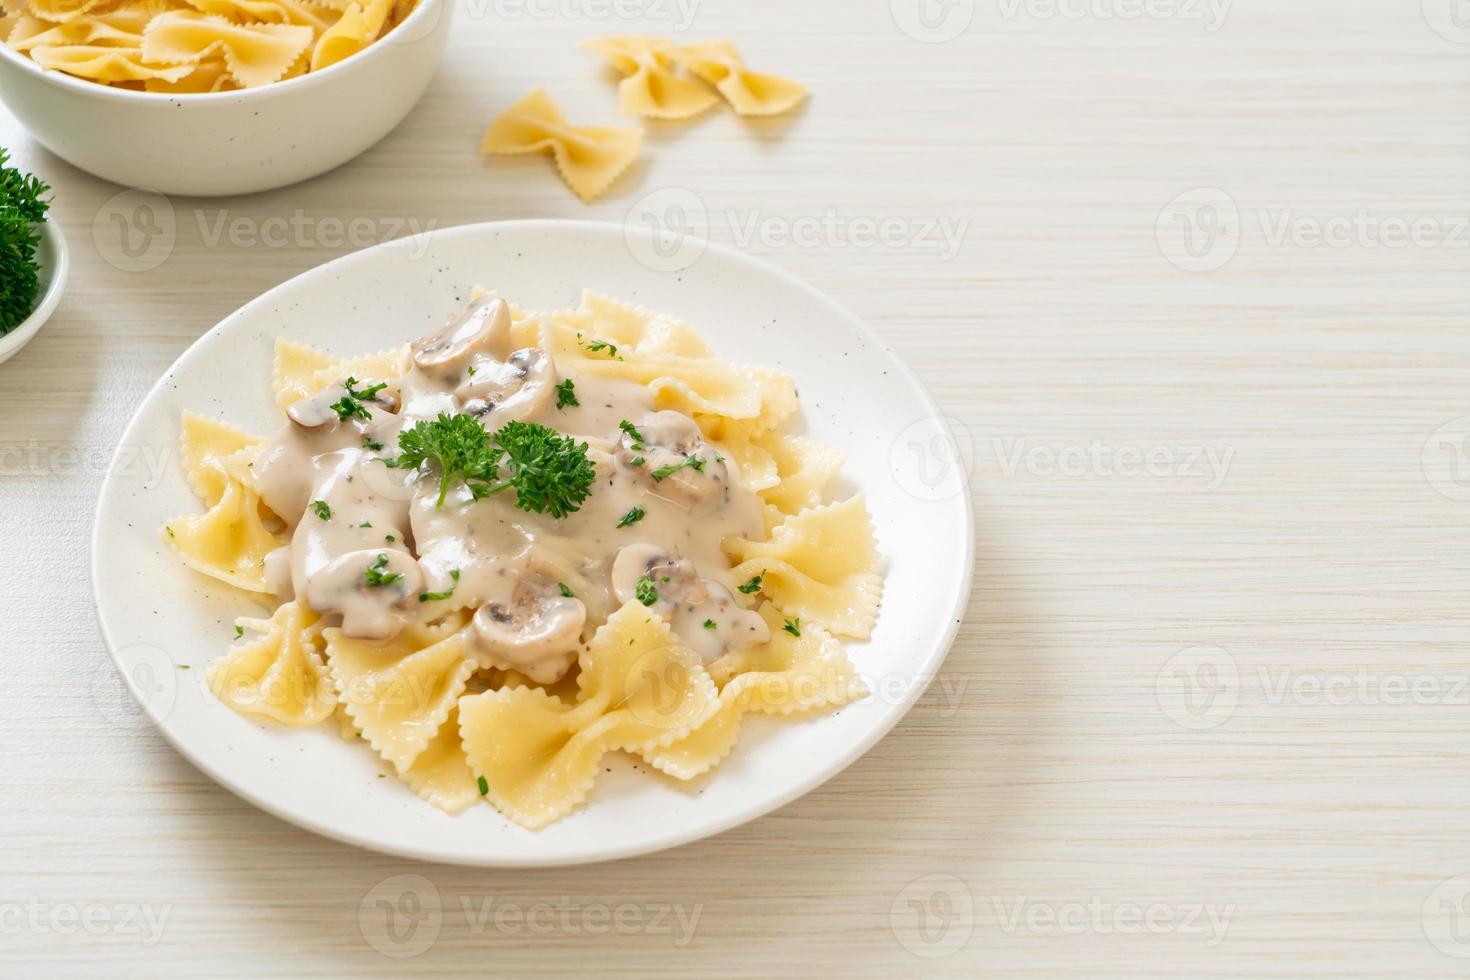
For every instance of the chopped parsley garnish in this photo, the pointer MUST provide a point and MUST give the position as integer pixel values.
(376, 576)
(389, 538)
(645, 591)
(366, 524)
(550, 472)
(636, 461)
(566, 394)
(350, 406)
(484, 786)
(322, 509)
(169, 529)
(754, 585)
(709, 624)
(793, 626)
(239, 631)
(368, 442)
(664, 472)
(632, 517)
(635, 438)
(470, 370)
(565, 590)
(598, 346)
(21, 209)
(436, 596)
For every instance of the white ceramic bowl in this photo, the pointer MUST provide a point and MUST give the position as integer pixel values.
(230, 142)
(55, 262)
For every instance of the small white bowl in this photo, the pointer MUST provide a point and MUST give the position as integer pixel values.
(55, 262)
(230, 142)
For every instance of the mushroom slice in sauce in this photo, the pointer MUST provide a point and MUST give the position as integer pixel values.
(318, 412)
(703, 613)
(483, 329)
(514, 390)
(538, 632)
(673, 460)
(374, 591)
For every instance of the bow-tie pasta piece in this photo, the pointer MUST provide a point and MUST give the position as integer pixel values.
(61, 11)
(590, 158)
(358, 27)
(256, 54)
(106, 64)
(651, 88)
(821, 565)
(790, 674)
(398, 694)
(303, 14)
(279, 674)
(538, 755)
(750, 93)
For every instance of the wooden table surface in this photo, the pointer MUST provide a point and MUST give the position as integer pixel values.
(1190, 276)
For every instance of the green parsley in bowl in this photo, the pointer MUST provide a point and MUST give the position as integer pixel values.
(33, 258)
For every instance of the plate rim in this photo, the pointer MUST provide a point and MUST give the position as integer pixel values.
(834, 765)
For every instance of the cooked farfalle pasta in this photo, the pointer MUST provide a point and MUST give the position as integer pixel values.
(524, 542)
(589, 158)
(651, 87)
(182, 47)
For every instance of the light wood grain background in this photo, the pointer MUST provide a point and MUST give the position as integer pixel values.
(1202, 717)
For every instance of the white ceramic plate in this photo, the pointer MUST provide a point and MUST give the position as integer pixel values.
(159, 617)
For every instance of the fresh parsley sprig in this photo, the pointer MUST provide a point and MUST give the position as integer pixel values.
(350, 406)
(550, 473)
(21, 209)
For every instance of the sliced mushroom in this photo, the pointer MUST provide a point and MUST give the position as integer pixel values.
(702, 612)
(319, 413)
(484, 328)
(671, 457)
(514, 390)
(718, 624)
(373, 591)
(671, 580)
(538, 632)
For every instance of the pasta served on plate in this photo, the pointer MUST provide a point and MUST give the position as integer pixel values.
(527, 540)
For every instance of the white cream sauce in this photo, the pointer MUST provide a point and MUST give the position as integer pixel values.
(370, 540)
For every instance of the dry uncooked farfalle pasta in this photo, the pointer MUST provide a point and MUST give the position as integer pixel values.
(182, 47)
(256, 54)
(590, 158)
(651, 87)
(750, 93)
